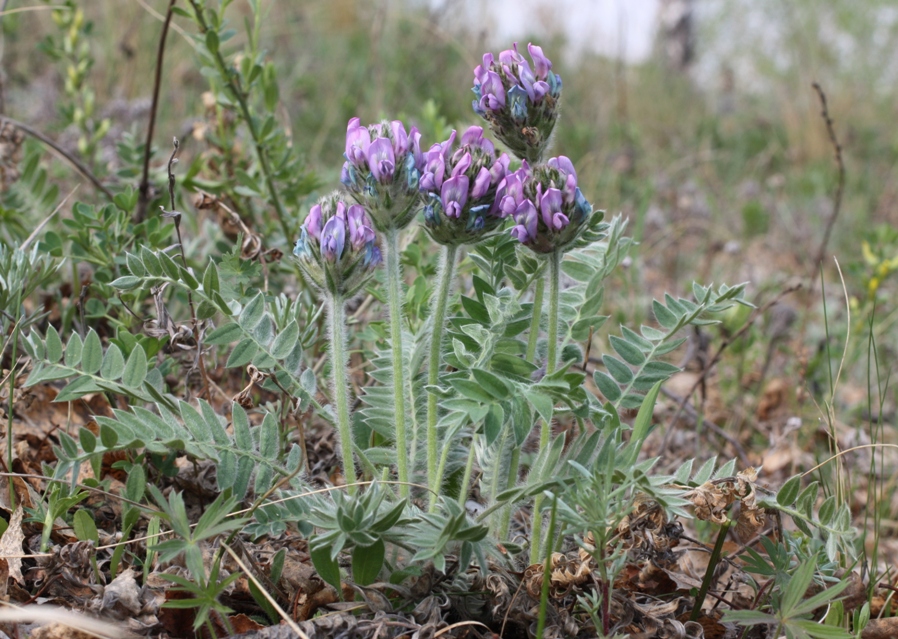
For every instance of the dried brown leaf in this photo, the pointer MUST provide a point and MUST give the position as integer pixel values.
(11, 545)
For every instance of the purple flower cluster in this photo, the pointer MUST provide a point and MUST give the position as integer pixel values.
(548, 207)
(337, 249)
(383, 170)
(519, 102)
(459, 187)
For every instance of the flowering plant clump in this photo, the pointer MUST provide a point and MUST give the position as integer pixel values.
(383, 171)
(520, 103)
(337, 250)
(548, 207)
(459, 188)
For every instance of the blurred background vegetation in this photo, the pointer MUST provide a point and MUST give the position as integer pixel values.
(719, 156)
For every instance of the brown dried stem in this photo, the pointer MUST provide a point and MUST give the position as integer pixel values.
(79, 166)
(840, 184)
(176, 216)
(144, 191)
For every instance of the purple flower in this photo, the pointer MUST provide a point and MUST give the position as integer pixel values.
(550, 208)
(526, 218)
(542, 65)
(400, 138)
(357, 141)
(360, 231)
(511, 191)
(333, 239)
(481, 183)
(312, 224)
(454, 195)
(381, 160)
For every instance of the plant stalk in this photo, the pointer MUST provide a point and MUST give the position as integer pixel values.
(438, 315)
(339, 361)
(232, 81)
(535, 320)
(394, 301)
(466, 478)
(514, 463)
(709, 573)
(545, 429)
(547, 575)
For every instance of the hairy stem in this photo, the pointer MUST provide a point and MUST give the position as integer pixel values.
(545, 429)
(438, 316)
(514, 464)
(533, 338)
(394, 301)
(466, 478)
(339, 360)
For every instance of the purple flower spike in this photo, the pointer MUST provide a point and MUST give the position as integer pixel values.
(333, 239)
(454, 195)
(541, 63)
(313, 222)
(492, 92)
(381, 160)
(360, 231)
(357, 140)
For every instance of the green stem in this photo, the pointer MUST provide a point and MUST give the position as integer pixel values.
(466, 478)
(515, 463)
(709, 572)
(339, 361)
(547, 575)
(394, 301)
(514, 466)
(438, 316)
(232, 81)
(545, 429)
(533, 338)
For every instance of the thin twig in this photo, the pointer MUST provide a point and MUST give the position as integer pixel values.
(758, 312)
(249, 575)
(144, 197)
(232, 82)
(80, 166)
(840, 185)
(176, 216)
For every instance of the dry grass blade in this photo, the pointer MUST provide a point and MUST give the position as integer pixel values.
(249, 575)
(46, 614)
(48, 218)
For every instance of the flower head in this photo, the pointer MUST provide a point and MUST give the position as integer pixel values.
(336, 249)
(460, 185)
(519, 102)
(383, 170)
(549, 210)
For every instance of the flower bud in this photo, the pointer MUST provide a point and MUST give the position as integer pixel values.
(460, 185)
(548, 207)
(382, 171)
(336, 249)
(520, 103)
